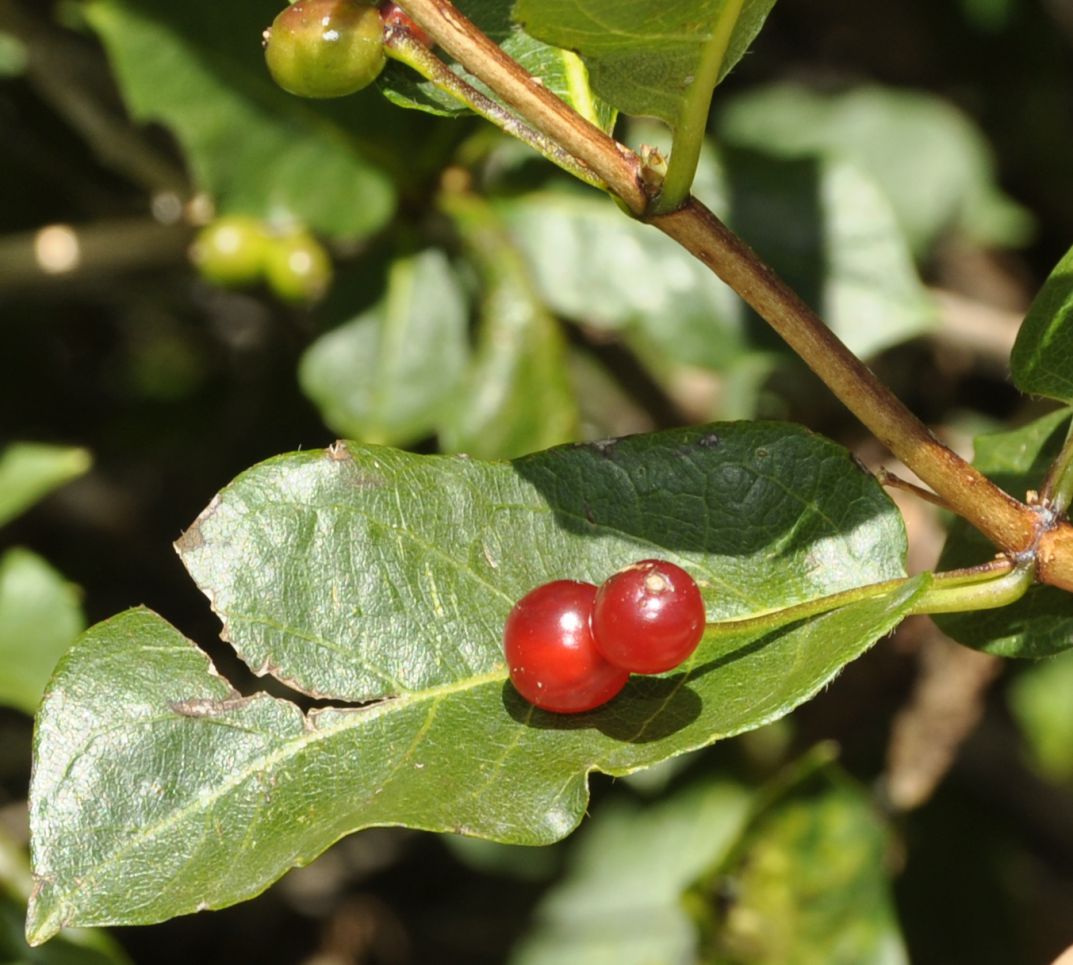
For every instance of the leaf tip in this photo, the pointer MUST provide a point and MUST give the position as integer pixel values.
(43, 920)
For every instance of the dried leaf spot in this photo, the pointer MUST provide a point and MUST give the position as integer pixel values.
(208, 707)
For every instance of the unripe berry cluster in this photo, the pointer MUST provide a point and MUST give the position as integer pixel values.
(236, 250)
(571, 646)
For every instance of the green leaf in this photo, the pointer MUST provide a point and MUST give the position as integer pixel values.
(159, 791)
(74, 946)
(560, 71)
(251, 146)
(387, 375)
(930, 159)
(621, 899)
(808, 882)
(29, 471)
(592, 265)
(821, 224)
(1039, 698)
(1038, 624)
(517, 396)
(40, 616)
(320, 563)
(1042, 358)
(366, 573)
(644, 58)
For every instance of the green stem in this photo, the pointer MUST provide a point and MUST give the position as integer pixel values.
(990, 586)
(403, 47)
(693, 120)
(1057, 491)
(986, 587)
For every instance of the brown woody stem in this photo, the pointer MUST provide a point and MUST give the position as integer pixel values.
(1006, 522)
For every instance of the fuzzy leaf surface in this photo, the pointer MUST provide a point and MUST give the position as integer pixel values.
(158, 791)
(198, 68)
(372, 574)
(1038, 624)
(73, 946)
(644, 58)
(1042, 358)
(360, 572)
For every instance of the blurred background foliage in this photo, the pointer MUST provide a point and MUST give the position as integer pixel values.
(905, 166)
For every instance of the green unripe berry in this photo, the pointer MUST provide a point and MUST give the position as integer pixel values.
(325, 48)
(297, 268)
(231, 251)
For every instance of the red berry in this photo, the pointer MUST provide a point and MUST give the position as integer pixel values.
(649, 617)
(552, 659)
(394, 16)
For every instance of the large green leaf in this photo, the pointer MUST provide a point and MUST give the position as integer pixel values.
(620, 902)
(40, 616)
(517, 396)
(645, 57)
(809, 882)
(1042, 358)
(366, 573)
(197, 67)
(931, 161)
(1039, 623)
(560, 71)
(29, 471)
(320, 563)
(387, 375)
(159, 791)
(821, 224)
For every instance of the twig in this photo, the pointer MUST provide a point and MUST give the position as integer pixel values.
(619, 167)
(66, 252)
(966, 491)
(887, 478)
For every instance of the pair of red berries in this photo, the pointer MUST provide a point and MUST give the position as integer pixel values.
(571, 646)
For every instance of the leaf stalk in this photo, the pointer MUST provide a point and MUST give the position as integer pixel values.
(692, 123)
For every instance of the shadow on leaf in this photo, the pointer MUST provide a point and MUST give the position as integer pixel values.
(649, 709)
